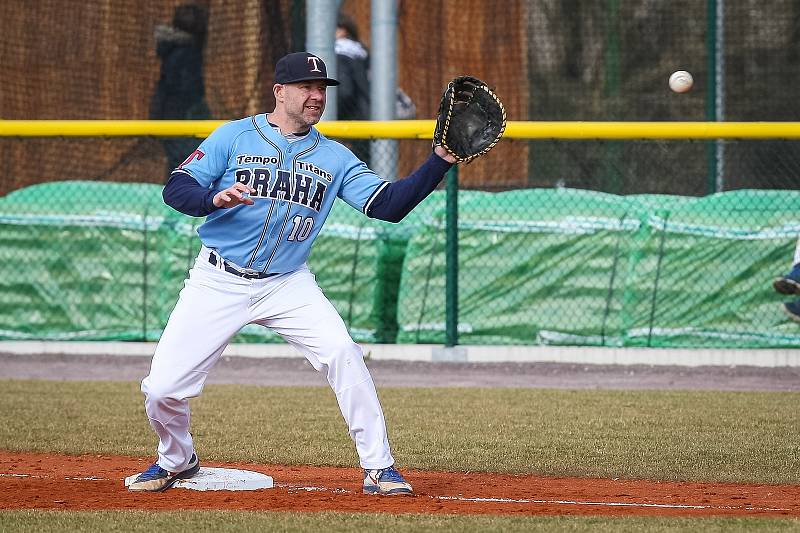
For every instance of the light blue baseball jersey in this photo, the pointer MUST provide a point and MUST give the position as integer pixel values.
(296, 182)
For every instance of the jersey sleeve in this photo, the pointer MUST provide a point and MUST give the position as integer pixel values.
(360, 185)
(208, 163)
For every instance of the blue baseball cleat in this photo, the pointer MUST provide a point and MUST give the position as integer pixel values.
(790, 283)
(156, 479)
(386, 482)
(792, 309)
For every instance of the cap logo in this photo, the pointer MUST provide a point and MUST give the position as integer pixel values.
(313, 60)
(301, 66)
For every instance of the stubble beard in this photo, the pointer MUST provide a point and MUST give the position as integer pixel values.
(306, 118)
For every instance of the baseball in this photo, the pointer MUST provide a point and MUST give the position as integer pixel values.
(681, 81)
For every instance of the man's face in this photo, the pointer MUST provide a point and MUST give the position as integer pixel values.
(303, 101)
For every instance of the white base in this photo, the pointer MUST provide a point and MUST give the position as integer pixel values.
(220, 479)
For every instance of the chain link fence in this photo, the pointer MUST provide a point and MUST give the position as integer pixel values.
(590, 242)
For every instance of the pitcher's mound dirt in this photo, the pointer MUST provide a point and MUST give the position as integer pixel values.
(91, 482)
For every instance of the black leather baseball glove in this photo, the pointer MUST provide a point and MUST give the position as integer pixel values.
(471, 119)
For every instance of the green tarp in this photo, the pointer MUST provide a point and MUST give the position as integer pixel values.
(570, 267)
(106, 261)
(86, 260)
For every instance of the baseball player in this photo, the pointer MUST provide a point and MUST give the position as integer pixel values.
(266, 184)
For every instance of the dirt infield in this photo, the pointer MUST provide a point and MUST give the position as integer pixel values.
(92, 482)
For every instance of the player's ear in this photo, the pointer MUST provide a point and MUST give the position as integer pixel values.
(277, 90)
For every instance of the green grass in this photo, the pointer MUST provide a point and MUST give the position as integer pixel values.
(666, 435)
(222, 521)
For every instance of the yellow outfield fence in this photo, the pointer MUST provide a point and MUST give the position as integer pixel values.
(416, 129)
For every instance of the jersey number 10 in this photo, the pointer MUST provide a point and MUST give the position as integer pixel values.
(301, 228)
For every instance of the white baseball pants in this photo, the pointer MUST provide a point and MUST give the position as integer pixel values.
(213, 306)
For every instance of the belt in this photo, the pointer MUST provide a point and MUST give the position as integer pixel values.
(214, 259)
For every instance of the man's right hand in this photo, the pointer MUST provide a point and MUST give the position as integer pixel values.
(236, 194)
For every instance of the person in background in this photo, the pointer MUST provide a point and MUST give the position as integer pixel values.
(353, 95)
(352, 71)
(180, 91)
(352, 63)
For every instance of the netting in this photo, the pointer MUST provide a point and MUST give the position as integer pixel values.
(105, 261)
(90, 251)
(574, 267)
(548, 60)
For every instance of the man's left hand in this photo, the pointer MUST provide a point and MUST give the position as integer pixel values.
(441, 152)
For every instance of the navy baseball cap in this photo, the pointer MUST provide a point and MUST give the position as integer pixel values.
(301, 66)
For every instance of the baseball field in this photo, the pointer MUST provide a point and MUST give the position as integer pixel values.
(577, 448)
